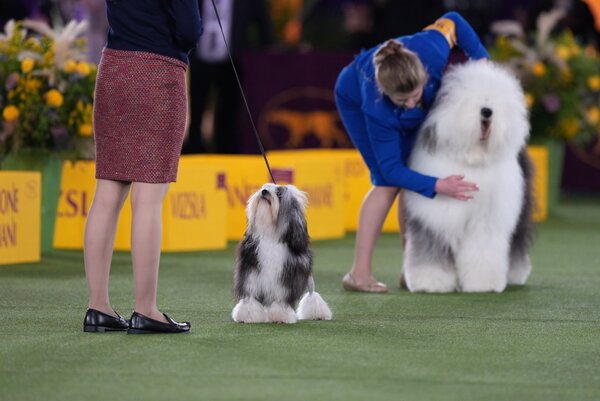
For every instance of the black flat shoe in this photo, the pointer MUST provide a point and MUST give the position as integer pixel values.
(140, 324)
(99, 322)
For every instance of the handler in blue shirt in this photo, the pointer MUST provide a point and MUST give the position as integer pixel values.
(383, 97)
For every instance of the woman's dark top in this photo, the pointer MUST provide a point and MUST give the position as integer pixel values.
(168, 27)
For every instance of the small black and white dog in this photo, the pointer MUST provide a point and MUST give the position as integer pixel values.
(274, 261)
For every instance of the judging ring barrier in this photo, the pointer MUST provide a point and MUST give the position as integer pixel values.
(206, 207)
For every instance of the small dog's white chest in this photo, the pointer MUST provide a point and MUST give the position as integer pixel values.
(272, 255)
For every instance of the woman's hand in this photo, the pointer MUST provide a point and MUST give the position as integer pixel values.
(455, 187)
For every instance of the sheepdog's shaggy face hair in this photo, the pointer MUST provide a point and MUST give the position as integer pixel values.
(274, 261)
(477, 128)
(479, 113)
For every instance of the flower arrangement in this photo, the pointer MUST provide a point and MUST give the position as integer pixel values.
(561, 78)
(46, 90)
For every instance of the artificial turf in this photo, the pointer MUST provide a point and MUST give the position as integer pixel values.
(537, 342)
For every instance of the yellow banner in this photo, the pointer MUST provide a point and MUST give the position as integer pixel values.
(194, 212)
(539, 157)
(20, 213)
(245, 174)
(76, 193)
(355, 176)
(212, 190)
(321, 176)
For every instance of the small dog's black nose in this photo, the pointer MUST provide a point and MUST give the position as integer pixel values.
(264, 192)
(486, 112)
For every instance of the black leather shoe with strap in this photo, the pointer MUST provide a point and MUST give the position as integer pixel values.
(100, 322)
(141, 324)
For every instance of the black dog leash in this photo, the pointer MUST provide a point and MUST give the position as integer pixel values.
(260, 145)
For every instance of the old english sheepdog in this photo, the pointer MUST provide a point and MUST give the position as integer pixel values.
(274, 261)
(477, 127)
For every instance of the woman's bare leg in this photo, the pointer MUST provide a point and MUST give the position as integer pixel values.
(373, 212)
(146, 239)
(99, 239)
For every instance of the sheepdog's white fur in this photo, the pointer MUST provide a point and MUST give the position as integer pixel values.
(477, 127)
(274, 261)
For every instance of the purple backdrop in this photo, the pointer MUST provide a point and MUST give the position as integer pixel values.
(290, 96)
(582, 168)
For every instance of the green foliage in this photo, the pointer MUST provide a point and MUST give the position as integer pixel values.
(561, 79)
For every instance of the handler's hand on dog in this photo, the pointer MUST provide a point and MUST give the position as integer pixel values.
(455, 187)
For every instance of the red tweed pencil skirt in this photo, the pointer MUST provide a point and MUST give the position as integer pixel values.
(140, 110)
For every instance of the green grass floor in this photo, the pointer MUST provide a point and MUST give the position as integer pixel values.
(537, 342)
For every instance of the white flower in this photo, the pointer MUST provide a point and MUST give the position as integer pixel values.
(9, 29)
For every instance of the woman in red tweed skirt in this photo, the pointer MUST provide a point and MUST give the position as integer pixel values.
(140, 108)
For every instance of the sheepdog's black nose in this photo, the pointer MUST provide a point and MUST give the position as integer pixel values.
(486, 112)
(264, 192)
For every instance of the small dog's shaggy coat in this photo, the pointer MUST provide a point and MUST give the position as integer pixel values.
(477, 127)
(274, 261)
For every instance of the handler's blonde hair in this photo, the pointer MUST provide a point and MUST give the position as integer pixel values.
(397, 69)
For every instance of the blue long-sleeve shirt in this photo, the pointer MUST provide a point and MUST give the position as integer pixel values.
(168, 27)
(392, 128)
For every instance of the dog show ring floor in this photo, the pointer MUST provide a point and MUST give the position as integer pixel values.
(540, 341)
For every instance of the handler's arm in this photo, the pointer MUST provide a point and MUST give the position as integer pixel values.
(457, 31)
(386, 145)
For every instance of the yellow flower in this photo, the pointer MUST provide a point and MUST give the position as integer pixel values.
(563, 52)
(538, 69)
(567, 75)
(32, 85)
(529, 100)
(48, 59)
(594, 82)
(34, 44)
(593, 115)
(575, 49)
(85, 129)
(27, 65)
(54, 98)
(70, 66)
(83, 68)
(570, 128)
(10, 113)
(502, 41)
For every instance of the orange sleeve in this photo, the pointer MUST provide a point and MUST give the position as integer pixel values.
(446, 27)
